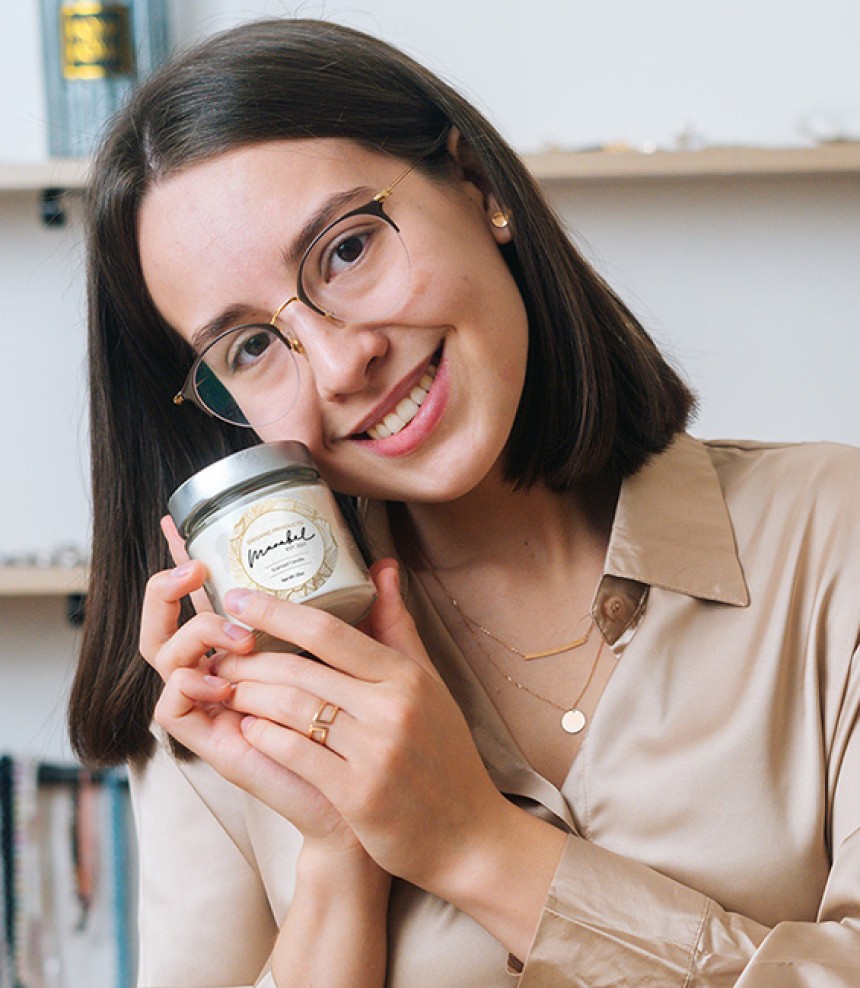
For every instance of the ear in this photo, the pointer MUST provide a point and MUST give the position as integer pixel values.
(471, 171)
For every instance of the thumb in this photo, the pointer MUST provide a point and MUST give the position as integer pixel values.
(389, 622)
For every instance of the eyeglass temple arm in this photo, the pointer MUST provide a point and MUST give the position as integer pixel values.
(386, 192)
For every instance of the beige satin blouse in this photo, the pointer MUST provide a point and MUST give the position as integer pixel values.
(713, 809)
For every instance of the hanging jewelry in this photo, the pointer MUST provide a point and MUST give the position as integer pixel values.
(475, 625)
(528, 656)
(573, 720)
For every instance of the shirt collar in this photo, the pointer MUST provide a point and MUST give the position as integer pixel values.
(672, 528)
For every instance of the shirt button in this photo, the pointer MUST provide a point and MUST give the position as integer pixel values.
(613, 608)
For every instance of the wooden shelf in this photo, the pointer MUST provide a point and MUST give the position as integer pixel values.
(57, 173)
(35, 581)
(569, 166)
(559, 166)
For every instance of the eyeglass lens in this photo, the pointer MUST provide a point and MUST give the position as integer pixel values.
(248, 376)
(358, 270)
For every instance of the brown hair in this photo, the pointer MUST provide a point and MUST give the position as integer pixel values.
(598, 397)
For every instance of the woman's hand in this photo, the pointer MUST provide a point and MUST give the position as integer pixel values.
(193, 706)
(398, 760)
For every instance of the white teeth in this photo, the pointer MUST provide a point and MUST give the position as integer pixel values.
(406, 410)
(380, 431)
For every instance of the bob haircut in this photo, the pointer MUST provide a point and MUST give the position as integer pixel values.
(598, 397)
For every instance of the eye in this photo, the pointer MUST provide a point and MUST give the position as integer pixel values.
(344, 251)
(348, 251)
(248, 348)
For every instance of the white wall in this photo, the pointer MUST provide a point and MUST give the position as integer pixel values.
(43, 498)
(37, 654)
(751, 285)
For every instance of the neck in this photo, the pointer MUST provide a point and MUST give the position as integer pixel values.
(494, 524)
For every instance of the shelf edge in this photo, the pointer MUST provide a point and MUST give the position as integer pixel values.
(34, 581)
(557, 166)
(713, 162)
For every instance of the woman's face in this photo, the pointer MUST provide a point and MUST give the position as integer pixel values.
(215, 243)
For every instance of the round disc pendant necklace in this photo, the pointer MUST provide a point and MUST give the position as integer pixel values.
(573, 720)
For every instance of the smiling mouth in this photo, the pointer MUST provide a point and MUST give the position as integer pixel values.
(407, 408)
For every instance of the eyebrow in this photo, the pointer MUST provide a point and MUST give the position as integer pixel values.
(327, 213)
(291, 256)
(233, 315)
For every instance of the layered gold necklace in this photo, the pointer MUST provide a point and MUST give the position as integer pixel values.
(572, 720)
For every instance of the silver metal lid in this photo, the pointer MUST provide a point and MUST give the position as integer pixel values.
(234, 471)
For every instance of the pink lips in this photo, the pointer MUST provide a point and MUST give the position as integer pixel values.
(419, 429)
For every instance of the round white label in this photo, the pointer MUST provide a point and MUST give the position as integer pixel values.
(283, 546)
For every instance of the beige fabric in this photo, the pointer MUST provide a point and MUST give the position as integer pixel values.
(714, 808)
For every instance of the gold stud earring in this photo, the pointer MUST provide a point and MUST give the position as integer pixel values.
(499, 219)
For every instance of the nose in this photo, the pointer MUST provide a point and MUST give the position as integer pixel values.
(342, 355)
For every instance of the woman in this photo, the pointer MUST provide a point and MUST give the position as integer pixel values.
(609, 737)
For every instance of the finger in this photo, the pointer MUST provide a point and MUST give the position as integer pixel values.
(175, 542)
(315, 631)
(179, 554)
(181, 707)
(332, 640)
(161, 603)
(314, 762)
(188, 646)
(389, 621)
(191, 711)
(289, 669)
(323, 721)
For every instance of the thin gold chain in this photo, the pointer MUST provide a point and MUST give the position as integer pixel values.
(531, 692)
(499, 669)
(473, 624)
(528, 656)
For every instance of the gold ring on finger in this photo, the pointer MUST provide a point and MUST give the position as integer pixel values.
(321, 722)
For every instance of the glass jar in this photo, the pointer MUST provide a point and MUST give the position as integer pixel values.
(264, 519)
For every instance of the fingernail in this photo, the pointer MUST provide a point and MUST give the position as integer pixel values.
(181, 571)
(216, 681)
(235, 633)
(248, 722)
(236, 600)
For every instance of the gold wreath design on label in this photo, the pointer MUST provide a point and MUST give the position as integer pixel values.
(322, 527)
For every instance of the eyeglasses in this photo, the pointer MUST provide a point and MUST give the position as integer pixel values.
(356, 270)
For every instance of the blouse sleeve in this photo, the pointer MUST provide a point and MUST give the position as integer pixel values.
(611, 921)
(203, 915)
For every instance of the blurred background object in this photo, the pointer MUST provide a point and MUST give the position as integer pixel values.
(93, 54)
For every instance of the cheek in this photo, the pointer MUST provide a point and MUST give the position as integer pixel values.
(449, 294)
(303, 423)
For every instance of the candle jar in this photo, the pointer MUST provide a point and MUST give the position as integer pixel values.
(264, 519)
